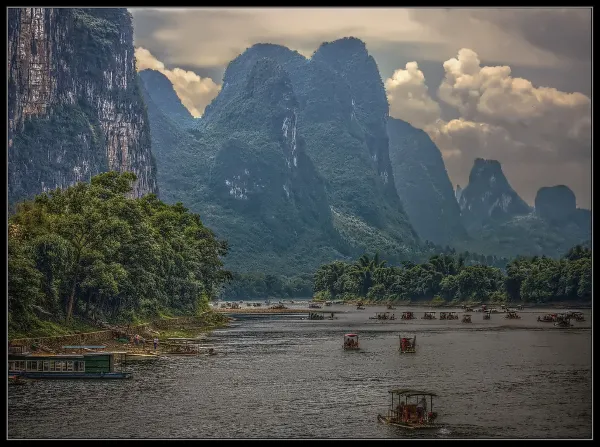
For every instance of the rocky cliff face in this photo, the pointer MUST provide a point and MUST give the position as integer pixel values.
(423, 184)
(350, 59)
(489, 197)
(332, 128)
(555, 203)
(458, 193)
(74, 108)
(246, 171)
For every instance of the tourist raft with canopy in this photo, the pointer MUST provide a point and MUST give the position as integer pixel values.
(408, 345)
(351, 341)
(408, 409)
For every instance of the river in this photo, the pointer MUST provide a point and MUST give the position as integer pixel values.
(281, 376)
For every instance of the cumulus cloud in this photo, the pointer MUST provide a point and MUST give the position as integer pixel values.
(195, 92)
(409, 98)
(543, 117)
(541, 135)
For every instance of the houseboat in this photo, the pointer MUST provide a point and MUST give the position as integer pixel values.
(96, 365)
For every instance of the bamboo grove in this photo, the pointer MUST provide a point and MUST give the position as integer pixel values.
(446, 278)
(92, 251)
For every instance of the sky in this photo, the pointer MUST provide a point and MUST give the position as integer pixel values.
(508, 84)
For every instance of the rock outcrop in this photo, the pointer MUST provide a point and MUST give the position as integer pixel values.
(74, 104)
(489, 198)
(555, 203)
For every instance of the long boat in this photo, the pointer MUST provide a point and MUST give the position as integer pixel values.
(96, 365)
(410, 415)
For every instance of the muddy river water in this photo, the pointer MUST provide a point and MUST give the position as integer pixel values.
(283, 376)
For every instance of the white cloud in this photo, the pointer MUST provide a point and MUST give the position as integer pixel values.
(540, 135)
(195, 92)
(408, 97)
(490, 94)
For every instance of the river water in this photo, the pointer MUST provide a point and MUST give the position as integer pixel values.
(282, 376)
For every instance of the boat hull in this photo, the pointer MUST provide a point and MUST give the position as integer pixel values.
(385, 420)
(62, 375)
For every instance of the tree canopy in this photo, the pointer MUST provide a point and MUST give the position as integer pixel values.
(91, 250)
(447, 277)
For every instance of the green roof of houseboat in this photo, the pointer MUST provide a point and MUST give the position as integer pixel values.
(409, 392)
(84, 347)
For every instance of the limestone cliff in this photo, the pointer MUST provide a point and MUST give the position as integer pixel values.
(74, 104)
(423, 184)
(489, 197)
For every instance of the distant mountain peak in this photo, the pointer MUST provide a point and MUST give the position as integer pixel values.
(489, 196)
(346, 43)
(555, 203)
(161, 91)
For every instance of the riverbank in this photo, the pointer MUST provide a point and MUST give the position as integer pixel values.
(557, 305)
(259, 310)
(120, 338)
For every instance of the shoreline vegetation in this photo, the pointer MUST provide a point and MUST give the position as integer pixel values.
(89, 258)
(446, 280)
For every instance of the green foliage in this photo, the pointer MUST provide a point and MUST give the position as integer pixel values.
(96, 32)
(543, 279)
(437, 301)
(322, 295)
(445, 278)
(91, 251)
(53, 148)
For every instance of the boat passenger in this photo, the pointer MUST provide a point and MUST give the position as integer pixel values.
(400, 409)
(421, 409)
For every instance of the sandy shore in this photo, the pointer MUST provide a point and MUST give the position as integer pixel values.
(264, 310)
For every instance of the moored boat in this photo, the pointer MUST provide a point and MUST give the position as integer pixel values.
(97, 365)
(182, 346)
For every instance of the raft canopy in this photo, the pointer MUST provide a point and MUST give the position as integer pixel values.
(409, 392)
(350, 335)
